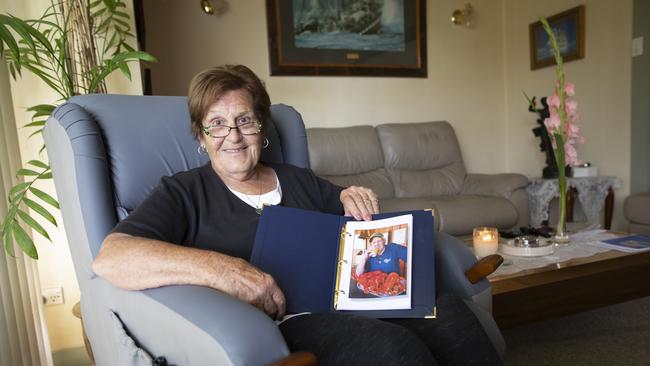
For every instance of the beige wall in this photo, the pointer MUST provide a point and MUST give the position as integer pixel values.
(475, 80)
(465, 84)
(602, 82)
(55, 264)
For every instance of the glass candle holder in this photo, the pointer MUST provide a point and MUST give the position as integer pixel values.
(486, 241)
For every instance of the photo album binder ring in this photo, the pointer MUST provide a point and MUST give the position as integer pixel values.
(384, 268)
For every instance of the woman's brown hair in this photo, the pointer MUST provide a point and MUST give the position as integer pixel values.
(211, 84)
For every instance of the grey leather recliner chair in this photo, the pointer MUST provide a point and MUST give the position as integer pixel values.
(107, 153)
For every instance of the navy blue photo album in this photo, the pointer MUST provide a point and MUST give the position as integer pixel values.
(384, 268)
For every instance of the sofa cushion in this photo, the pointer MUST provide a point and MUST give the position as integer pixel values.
(459, 214)
(377, 180)
(422, 159)
(349, 156)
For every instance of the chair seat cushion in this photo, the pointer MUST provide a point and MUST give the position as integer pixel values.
(459, 214)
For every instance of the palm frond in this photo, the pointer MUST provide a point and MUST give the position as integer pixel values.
(72, 48)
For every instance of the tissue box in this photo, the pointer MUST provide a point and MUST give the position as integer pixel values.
(584, 171)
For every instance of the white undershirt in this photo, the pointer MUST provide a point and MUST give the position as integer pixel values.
(255, 200)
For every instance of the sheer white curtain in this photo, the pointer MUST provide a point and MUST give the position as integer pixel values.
(23, 335)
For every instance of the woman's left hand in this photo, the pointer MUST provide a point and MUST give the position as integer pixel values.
(359, 202)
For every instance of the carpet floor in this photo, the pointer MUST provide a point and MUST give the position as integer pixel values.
(613, 335)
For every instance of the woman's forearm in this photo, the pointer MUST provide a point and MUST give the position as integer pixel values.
(136, 263)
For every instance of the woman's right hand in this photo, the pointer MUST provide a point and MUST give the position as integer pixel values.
(257, 288)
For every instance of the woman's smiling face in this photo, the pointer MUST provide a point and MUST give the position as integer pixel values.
(234, 156)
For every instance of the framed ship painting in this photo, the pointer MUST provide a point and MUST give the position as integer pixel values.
(347, 37)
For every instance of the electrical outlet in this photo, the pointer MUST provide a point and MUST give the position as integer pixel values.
(637, 46)
(52, 296)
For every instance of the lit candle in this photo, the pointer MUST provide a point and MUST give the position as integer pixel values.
(486, 241)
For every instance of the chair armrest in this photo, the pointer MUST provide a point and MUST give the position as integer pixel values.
(484, 268)
(189, 325)
(302, 358)
(498, 185)
(453, 259)
(490, 326)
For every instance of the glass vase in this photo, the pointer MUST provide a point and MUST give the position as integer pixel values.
(561, 236)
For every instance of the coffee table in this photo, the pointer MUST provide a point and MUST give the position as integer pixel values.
(568, 287)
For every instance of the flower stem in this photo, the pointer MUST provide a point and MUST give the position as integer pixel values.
(560, 133)
(559, 158)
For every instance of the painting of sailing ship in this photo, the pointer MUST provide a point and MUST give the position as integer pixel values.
(565, 34)
(568, 27)
(347, 37)
(349, 24)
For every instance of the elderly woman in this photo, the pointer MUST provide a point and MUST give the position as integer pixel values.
(198, 227)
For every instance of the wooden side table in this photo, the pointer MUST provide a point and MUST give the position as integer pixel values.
(593, 193)
(609, 206)
(76, 311)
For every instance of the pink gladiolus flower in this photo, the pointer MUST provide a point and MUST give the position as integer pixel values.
(570, 154)
(569, 89)
(552, 123)
(574, 117)
(570, 106)
(553, 101)
(572, 130)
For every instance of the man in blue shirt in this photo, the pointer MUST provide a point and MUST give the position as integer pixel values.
(381, 256)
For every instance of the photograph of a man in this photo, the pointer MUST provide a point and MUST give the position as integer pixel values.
(380, 269)
(381, 256)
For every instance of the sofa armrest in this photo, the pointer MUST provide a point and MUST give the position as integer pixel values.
(498, 185)
(189, 325)
(635, 208)
(453, 259)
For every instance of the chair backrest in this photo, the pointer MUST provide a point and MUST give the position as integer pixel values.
(107, 153)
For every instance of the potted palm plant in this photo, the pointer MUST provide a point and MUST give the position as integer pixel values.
(72, 48)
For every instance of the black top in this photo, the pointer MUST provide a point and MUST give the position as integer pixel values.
(196, 209)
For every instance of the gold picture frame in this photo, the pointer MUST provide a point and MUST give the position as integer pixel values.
(309, 48)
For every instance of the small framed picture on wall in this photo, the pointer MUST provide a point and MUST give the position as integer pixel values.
(569, 28)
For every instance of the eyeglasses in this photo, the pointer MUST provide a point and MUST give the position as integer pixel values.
(245, 125)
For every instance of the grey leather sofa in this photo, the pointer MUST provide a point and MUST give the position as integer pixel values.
(107, 152)
(416, 166)
(636, 209)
